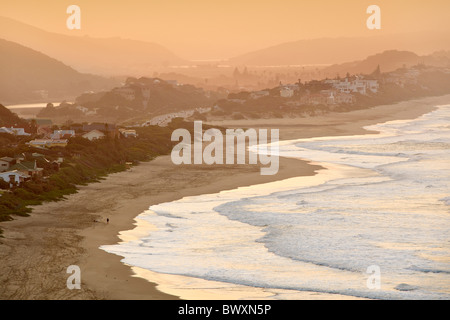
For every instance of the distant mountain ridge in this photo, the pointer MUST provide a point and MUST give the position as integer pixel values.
(105, 56)
(27, 75)
(339, 50)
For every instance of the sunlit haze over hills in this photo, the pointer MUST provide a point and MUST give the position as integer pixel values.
(224, 150)
(207, 30)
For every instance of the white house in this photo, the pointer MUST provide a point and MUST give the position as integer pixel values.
(5, 130)
(286, 92)
(20, 132)
(14, 176)
(14, 131)
(93, 135)
(361, 86)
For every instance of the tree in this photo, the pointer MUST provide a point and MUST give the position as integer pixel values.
(377, 73)
(236, 73)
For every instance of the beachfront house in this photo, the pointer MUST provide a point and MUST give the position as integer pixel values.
(109, 129)
(94, 135)
(20, 132)
(14, 131)
(5, 130)
(14, 177)
(28, 168)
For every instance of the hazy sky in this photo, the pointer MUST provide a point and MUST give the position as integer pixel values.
(209, 29)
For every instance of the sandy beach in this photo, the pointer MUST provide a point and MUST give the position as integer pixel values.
(36, 251)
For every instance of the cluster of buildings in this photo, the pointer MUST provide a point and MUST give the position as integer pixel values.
(357, 85)
(60, 138)
(16, 170)
(325, 92)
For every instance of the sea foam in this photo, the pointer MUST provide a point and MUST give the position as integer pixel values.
(383, 200)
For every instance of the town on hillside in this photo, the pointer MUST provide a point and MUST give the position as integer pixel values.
(153, 101)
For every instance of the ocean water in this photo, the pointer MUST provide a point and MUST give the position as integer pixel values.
(382, 200)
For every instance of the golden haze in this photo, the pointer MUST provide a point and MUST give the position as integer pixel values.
(200, 29)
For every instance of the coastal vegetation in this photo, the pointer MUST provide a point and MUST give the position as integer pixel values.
(84, 162)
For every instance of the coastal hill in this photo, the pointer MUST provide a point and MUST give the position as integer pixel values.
(9, 119)
(28, 75)
(339, 50)
(137, 98)
(389, 61)
(105, 56)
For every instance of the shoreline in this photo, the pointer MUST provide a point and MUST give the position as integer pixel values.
(37, 250)
(212, 181)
